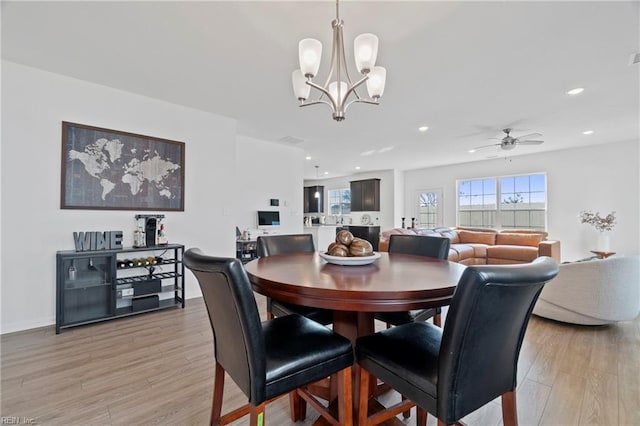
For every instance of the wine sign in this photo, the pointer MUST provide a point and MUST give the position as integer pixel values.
(90, 241)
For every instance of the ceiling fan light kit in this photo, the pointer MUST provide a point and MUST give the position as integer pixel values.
(339, 91)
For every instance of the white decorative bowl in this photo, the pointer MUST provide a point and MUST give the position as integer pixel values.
(350, 261)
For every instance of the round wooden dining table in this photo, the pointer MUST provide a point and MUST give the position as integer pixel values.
(394, 282)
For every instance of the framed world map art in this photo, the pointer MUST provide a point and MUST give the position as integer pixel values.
(113, 170)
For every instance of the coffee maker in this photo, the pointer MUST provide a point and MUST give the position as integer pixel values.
(151, 226)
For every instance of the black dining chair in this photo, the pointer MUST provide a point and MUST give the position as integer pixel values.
(452, 371)
(272, 245)
(270, 359)
(420, 245)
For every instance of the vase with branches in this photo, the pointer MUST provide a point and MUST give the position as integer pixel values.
(601, 224)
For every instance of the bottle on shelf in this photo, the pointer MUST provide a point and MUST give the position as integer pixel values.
(136, 236)
(130, 263)
(72, 272)
(139, 237)
(162, 237)
(122, 263)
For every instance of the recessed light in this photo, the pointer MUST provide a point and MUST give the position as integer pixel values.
(307, 158)
(326, 173)
(423, 128)
(357, 167)
(587, 132)
(471, 151)
(575, 91)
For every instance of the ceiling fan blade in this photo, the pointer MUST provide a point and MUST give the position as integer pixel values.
(529, 142)
(529, 136)
(487, 146)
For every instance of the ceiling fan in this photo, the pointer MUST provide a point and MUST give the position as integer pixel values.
(509, 142)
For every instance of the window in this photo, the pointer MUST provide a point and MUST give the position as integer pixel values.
(429, 208)
(339, 201)
(503, 202)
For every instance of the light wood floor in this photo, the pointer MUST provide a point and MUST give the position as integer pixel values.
(158, 369)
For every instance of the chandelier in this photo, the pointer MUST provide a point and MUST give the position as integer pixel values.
(339, 91)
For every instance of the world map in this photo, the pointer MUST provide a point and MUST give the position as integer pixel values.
(123, 172)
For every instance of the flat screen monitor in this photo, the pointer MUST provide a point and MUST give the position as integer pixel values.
(268, 218)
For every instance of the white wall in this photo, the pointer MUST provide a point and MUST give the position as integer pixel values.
(387, 194)
(601, 178)
(268, 170)
(398, 198)
(34, 103)
(227, 179)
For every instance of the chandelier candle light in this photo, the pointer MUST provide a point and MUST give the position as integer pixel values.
(339, 91)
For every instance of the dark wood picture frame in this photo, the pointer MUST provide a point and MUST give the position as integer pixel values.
(105, 169)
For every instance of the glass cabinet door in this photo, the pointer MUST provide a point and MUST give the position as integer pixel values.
(87, 288)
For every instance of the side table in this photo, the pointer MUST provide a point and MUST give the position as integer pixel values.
(246, 250)
(603, 254)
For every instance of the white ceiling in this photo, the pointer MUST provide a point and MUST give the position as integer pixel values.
(465, 69)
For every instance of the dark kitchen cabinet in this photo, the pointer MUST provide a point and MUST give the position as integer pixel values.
(365, 195)
(311, 203)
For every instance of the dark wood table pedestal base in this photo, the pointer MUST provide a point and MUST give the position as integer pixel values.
(351, 325)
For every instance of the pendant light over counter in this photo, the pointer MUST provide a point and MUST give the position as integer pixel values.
(317, 193)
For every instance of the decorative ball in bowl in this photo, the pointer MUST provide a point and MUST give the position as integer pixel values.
(349, 250)
(360, 247)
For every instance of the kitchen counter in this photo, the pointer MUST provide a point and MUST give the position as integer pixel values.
(323, 235)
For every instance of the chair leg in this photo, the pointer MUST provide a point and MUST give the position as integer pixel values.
(437, 320)
(363, 397)
(345, 397)
(298, 406)
(256, 414)
(344, 390)
(421, 416)
(269, 311)
(509, 409)
(218, 389)
(406, 414)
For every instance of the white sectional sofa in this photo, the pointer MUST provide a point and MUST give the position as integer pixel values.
(593, 292)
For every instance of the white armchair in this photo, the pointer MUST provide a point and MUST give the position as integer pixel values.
(593, 292)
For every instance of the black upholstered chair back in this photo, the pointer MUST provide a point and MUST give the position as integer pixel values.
(421, 245)
(237, 331)
(271, 245)
(483, 333)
